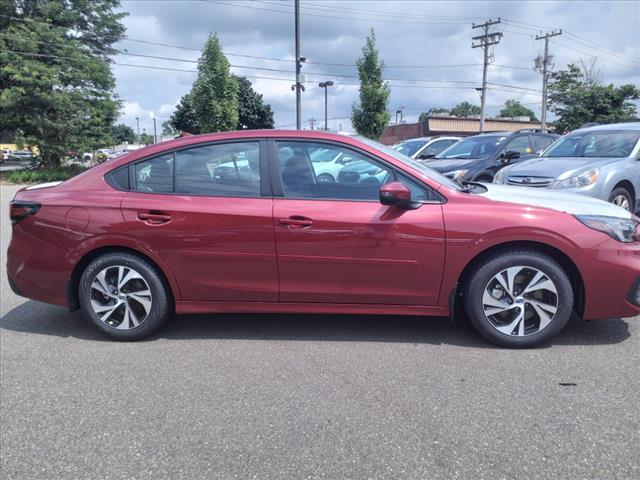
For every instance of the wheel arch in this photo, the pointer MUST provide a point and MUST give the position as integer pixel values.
(73, 292)
(577, 282)
(628, 186)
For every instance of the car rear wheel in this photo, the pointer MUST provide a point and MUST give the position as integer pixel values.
(622, 198)
(519, 299)
(124, 296)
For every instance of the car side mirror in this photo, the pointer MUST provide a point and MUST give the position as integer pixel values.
(398, 195)
(507, 156)
(426, 155)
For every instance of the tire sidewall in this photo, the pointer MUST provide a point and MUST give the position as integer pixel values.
(622, 191)
(480, 279)
(160, 311)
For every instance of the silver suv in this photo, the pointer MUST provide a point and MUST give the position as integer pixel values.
(601, 161)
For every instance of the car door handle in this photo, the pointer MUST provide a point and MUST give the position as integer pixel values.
(296, 222)
(154, 218)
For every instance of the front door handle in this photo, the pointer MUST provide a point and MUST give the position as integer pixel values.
(154, 218)
(296, 221)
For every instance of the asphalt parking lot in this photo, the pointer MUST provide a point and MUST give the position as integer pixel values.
(327, 397)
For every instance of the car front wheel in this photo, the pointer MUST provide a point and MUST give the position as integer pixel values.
(519, 299)
(622, 198)
(124, 296)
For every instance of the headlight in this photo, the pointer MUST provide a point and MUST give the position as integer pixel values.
(583, 180)
(624, 230)
(499, 178)
(457, 175)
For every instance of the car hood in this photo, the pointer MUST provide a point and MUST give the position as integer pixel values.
(559, 168)
(450, 165)
(570, 203)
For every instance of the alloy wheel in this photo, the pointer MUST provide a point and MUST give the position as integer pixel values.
(520, 301)
(120, 297)
(621, 201)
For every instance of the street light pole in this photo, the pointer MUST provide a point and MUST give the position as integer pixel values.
(326, 85)
(138, 123)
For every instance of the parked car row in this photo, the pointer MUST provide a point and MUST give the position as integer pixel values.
(601, 161)
(16, 155)
(242, 222)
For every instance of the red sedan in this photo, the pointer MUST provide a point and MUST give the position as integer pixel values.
(238, 222)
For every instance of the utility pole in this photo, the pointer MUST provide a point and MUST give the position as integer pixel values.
(399, 112)
(325, 85)
(485, 41)
(155, 135)
(542, 64)
(298, 85)
(138, 123)
(312, 123)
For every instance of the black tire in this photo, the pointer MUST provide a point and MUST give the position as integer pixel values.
(325, 178)
(479, 279)
(161, 300)
(621, 191)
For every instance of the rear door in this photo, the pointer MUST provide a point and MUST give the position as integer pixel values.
(337, 243)
(207, 211)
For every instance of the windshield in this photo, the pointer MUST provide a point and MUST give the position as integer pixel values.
(600, 143)
(473, 147)
(410, 147)
(412, 163)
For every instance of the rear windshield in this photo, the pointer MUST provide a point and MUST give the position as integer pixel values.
(473, 147)
(600, 143)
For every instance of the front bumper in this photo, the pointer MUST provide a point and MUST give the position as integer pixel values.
(633, 296)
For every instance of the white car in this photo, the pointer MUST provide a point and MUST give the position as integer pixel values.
(424, 148)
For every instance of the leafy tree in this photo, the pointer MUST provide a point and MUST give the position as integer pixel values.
(184, 118)
(214, 96)
(123, 134)
(253, 113)
(146, 138)
(168, 130)
(465, 110)
(513, 108)
(371, 117)
(577, 99)
(59, 90)
(432, 111)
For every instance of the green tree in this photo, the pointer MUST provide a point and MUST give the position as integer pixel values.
(59, 89)
(371, 117)
(184, 118)
(432, 111)
(168, 129)
(123, 134)
(214, 96)
(577, 99)
(146, 138)
(253, 113)
(513, 108)
(465, 110)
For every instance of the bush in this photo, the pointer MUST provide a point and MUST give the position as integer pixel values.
(40, 175)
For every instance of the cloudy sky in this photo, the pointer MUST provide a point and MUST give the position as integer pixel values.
(426, 46)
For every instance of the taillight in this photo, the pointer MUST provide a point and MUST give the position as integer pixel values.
(19, 210)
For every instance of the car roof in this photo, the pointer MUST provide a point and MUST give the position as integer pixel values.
(611, 126)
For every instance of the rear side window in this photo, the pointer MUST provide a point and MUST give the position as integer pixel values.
(155, 175)
(224, 170)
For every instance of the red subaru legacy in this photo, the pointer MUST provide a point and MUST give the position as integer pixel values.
(280, 221)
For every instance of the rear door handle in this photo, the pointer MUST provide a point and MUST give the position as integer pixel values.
(154, 218)
(296, 221)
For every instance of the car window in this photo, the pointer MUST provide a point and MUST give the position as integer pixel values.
(599, 143)
(410, 147)
(519, 144)
(155, 175)
(226, 170)
(540, 142)
(353, 177)
(437, 147)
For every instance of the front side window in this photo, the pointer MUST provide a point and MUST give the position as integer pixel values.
(223, 170)
(352, 176)
(410, 147)
(155, 175)
(519, 144)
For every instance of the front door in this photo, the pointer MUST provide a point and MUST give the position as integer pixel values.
(203, 211)
(337, 243)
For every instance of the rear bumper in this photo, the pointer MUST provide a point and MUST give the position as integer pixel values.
(611, 275)
(36, 269)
